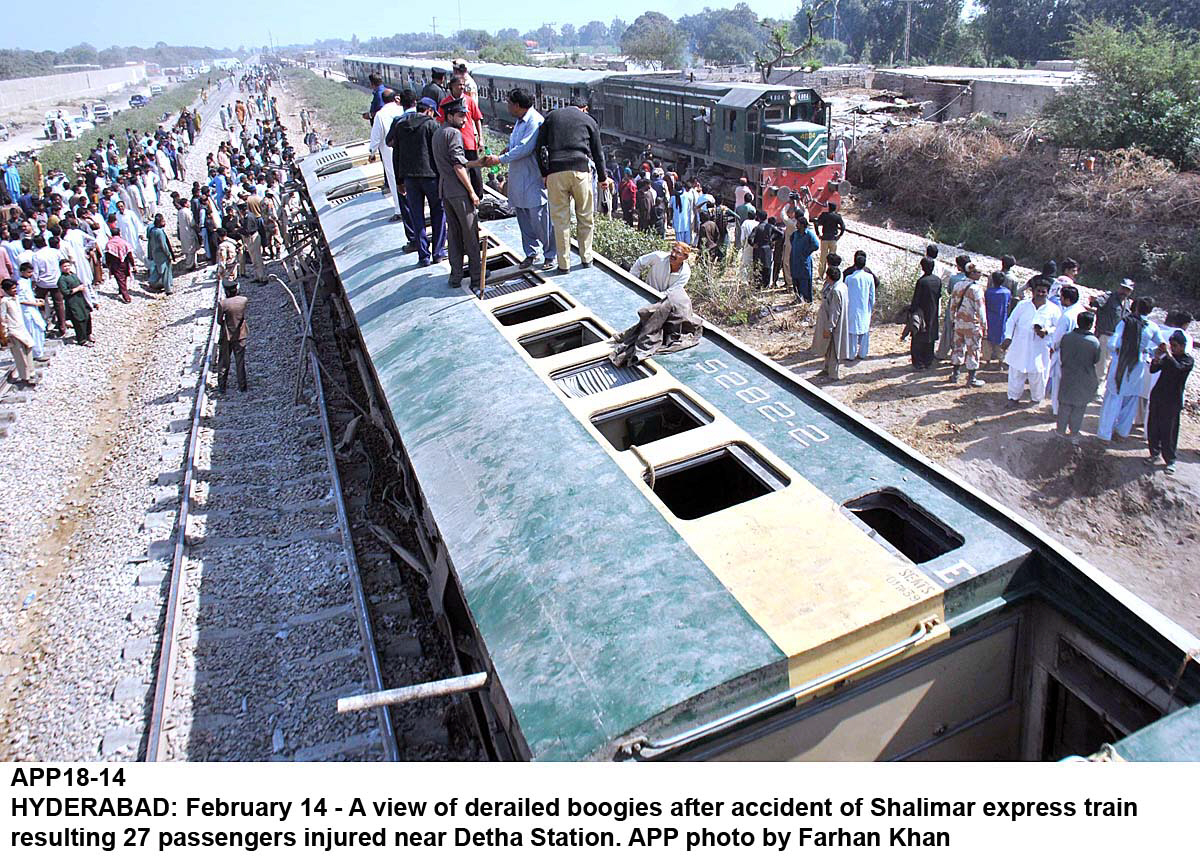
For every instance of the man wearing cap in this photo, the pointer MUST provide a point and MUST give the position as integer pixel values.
(1109, 313)
(459, 199)
(570, 139)
(472, 130)
(435, 90)
(460, 71)
(526, 191)
(411, 140)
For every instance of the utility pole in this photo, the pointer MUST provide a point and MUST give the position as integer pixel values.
(460, 15)
(434, 26)
(835, 19)
(907, 25)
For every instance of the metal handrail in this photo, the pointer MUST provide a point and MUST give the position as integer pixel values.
(644, 748)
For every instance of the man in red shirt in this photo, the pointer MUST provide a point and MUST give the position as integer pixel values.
(472, 131)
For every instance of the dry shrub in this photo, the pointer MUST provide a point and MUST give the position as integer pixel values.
(1136, 213)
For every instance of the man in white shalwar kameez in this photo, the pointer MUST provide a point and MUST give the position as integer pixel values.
(380, 127)
(132, 231)
(1027, 339)
(76, 243)
(1067, 321)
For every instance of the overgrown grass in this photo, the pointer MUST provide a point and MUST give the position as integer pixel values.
(897, 280)
(339, 105)
(60, 156)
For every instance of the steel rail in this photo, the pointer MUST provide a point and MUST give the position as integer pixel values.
(166, 656)
(366, 632)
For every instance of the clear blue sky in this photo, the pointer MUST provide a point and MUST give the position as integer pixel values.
(221, 24)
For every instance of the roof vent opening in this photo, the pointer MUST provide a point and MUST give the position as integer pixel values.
(597, 376)
(568, 337)
(904, 526)
(531, 310)
(510, 284)
(715, 481)
(650, 420)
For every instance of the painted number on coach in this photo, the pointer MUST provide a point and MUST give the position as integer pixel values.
(805, 434)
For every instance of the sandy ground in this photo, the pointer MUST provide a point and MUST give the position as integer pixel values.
(1136, 523)
(25, 124)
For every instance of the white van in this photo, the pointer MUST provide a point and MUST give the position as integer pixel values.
(156, 89)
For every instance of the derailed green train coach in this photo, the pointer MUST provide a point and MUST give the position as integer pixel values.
(701, 556)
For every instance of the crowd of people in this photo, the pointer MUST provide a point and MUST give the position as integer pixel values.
(431, 147)
(61, 243)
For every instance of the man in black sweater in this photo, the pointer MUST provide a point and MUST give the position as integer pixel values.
(1166, 399)
(568, 145)
(830, 228)
(411, 140)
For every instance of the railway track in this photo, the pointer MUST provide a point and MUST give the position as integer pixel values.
(266, 625)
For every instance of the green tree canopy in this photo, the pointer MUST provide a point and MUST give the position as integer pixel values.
(654, 40)
(1142, 90)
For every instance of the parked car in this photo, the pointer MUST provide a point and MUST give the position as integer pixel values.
(156, 90)
(137, 100)
(101, 112)
(82, 124)
(4, 133)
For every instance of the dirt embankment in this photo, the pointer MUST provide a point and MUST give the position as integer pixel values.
(1133, 215)
(1135, 522)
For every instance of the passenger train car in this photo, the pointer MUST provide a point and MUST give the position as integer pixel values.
(776, 136)
(704, 557)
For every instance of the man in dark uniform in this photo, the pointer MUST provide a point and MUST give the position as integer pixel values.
(435, 89)
(231, 319)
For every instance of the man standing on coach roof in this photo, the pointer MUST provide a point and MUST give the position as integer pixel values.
(570, 138)
(458, 196)
(393, 108)
(411, 140)
(526, 191)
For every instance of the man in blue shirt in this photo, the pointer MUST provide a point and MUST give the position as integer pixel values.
(526, 191)
(376, 96)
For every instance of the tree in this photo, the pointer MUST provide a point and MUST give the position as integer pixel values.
(1028, 30)
(473, 39)
(845, 21)
(510, 51)
(594, 33)
(508, 34)
(723, 36)
(547, 37)
(1142, 90)
(653, 40)
(616, 30)
(569, 37)
(779, 48)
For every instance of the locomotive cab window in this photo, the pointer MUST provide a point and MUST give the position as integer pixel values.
(774, 115)
(752, 120)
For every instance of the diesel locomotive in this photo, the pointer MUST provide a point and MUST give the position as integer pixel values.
(776, 136)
